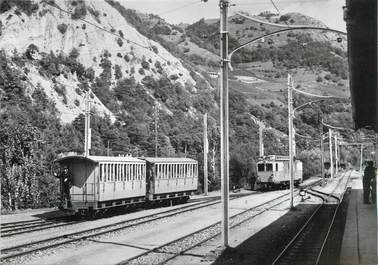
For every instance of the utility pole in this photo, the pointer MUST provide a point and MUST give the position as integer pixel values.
(156, 130)
(322, 151)
(336, 156)
(330, 151)
(224, 4)
(87, 126)
(290, 118)
(205, 152)
(261, 141)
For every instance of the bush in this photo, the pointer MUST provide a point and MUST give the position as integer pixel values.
(141, 71)
(62, 28)
(119, 55)
(284, 18)
(127, 58)
(74, 54)
(120, 33)
(77, 102)
(319, 79)
(145, 65)
(173, 77)
(78, 91)
(327, 77)
(80, 11)
(120, 42)
(155, 49)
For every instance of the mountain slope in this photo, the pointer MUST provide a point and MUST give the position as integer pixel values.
(93, 30)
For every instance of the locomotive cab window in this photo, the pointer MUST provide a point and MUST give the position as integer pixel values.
(269, 167)
(260, 167)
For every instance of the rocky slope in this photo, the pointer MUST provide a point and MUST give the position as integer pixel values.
(94, 30)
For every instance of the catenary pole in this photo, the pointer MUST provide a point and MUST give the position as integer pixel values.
(290, 118)
(322, 151)
(330, 151)
(156, 130)
(205, 152)
(224, 4)
(336, 156)
(87, 126)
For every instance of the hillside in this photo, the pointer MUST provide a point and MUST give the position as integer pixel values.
(136, 68)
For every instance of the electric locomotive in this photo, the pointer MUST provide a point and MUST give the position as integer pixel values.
(273, 172)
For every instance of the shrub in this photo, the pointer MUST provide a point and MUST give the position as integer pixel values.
(327, 77)
(319, 79)
(127, 58)
(120, 42)
(155, 49)
(120, 33)
(173, 77)
(74, 54)
(145, 65)
(77, 102)
(30, 50)
(119, 54)
(117, 72)
(62, 28)
(141, 71)
(80, 11)
(284, 18)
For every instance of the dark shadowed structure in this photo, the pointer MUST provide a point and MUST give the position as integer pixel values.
(361, 19)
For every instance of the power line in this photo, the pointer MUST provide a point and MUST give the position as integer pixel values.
(178, 8)
(318, 96)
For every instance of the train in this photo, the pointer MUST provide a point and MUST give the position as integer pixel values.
(90, 185)
(273, 172)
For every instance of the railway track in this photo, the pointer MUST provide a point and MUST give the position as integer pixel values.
(56, 241)
(23, 227)
(307, 246)
(7, 254)
(177, 247)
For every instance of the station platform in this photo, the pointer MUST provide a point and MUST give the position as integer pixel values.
(359, 244)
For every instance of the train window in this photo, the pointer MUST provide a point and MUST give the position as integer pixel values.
(260, 167)
(269, 167)
(115, 172)
(127, 172)
(105, 172)
(108, 166)
(276, 166)
(139, 172)
(101, 172)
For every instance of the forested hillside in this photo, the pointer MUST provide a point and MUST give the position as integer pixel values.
(143, 67)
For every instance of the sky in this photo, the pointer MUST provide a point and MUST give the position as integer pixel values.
(188, 11)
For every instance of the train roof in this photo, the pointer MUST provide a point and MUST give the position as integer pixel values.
(168, 160)
(275, 158)
(97, 159)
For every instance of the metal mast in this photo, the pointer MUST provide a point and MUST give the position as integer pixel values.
(224, 4)
(290, 118)
(205, 152)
